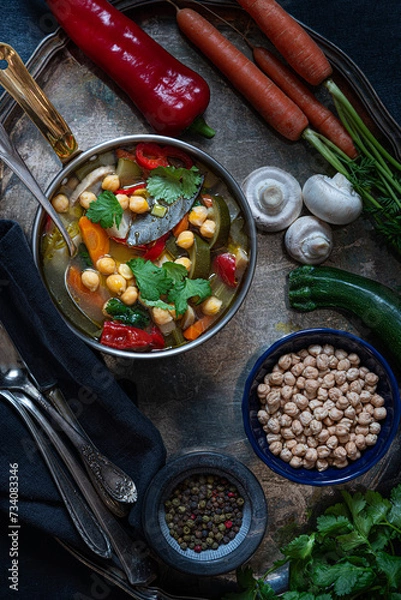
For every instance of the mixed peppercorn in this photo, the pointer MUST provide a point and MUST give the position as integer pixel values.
(204, 512)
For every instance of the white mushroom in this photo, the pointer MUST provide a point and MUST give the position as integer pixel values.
(332, 199)
(274, 196)
(309, 240)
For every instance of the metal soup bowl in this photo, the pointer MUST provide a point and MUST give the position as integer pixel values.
(214, 167)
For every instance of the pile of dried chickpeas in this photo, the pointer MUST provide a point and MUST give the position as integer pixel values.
(320, 407)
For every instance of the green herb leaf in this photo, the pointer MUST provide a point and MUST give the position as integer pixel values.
(152, 281)
(300, 547)
(394, 516)
(136, 317)
(105, 210)
(171, 183)
(175, 271)
(331, 525)
(391, 567)
(186, 289)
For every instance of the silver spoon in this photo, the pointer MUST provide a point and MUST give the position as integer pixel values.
(109, 480)
(82, 517)
(133, 556)
(11, 157)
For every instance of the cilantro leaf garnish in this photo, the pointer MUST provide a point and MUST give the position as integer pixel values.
(152, 281)
(167, 286)
(105, 210)
(171, 183)
(182, 291)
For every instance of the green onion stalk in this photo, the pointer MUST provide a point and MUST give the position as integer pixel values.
(374, 174)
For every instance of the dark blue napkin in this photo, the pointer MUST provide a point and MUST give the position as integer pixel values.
(107, 413)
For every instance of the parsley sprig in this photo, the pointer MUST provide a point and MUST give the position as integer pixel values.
(105, 210)
(353, 553)
(168, 285)
(171, 183)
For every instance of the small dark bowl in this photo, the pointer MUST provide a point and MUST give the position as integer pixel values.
(370, 358)
(226, 557)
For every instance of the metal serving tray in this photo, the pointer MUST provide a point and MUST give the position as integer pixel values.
(195, 398)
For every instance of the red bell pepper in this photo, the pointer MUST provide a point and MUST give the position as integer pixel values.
(126, 337)
(171, 96)
(225, 265)
(149, 156)
(154, 249)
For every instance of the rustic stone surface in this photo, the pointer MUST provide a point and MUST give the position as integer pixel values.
(195, 398)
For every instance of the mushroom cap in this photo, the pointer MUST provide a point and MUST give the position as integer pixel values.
(309, 240)
(332, 199)
(274, 196)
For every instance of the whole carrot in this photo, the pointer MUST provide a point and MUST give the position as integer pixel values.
(320, 117)
(290, 39)
(271, 103)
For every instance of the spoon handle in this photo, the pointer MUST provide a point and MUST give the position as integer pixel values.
(134, 556)
(11, 157)
(82, 517)
(107, 478)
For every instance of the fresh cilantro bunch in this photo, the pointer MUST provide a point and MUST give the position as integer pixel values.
(170, 281)
(105, 210)
(171, 183)
(353, 553)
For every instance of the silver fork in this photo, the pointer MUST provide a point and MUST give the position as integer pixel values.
(82, 517)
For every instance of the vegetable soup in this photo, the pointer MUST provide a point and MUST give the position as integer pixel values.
(162, 248)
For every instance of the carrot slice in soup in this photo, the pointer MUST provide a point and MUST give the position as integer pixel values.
(95, 238)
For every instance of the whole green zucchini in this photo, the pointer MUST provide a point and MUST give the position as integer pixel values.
(375, 304)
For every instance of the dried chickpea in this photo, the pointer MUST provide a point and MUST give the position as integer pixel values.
(284, 362)
(286, 455)
(111, 182)
(262, 390)
(263, 417)
(379, 413)
(377, 400)
(276, 448)
(276, 378)
(322, 465)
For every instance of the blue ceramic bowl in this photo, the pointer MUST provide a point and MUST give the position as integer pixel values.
(370, 358)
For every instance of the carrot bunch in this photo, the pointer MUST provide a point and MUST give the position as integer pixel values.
(283, 100)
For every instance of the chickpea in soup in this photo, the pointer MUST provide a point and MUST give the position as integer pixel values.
(162, 248)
